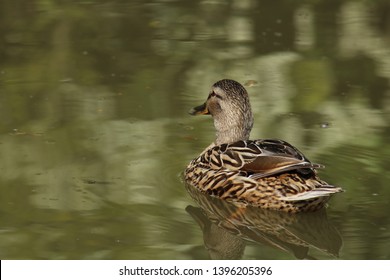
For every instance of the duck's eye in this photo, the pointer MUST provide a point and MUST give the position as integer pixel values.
(213, 94)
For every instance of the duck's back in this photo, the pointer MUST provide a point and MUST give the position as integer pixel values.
(266, 173)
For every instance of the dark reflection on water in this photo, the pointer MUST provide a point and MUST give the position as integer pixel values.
(226, 228)
(94, 130)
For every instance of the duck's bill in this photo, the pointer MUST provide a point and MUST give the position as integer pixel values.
(199, 110)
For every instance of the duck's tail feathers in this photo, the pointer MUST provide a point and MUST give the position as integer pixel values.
(326, 190)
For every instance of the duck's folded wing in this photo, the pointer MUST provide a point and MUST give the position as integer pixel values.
(260, 158)
(264, 166)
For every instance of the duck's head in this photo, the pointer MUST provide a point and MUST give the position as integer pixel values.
(228, 103)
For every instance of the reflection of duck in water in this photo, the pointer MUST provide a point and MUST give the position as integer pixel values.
(264, 173)
(226, 227)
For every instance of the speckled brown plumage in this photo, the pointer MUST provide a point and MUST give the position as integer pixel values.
(266, 173)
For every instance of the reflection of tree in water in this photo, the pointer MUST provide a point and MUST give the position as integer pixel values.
(144, 47)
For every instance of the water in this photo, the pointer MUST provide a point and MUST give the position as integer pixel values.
(94, 130)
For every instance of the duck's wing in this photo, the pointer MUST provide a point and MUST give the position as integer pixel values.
(260, 158)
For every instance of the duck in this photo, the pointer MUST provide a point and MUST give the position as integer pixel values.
(265, 173)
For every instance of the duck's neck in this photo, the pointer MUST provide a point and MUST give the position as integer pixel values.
(232, 135)
(233, 126)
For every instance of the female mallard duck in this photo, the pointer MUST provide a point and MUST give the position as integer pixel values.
(265, 173)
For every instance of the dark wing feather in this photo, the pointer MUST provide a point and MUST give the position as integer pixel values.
(261, 158)
(265, 166)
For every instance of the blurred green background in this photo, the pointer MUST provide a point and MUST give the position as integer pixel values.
(94, 130)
